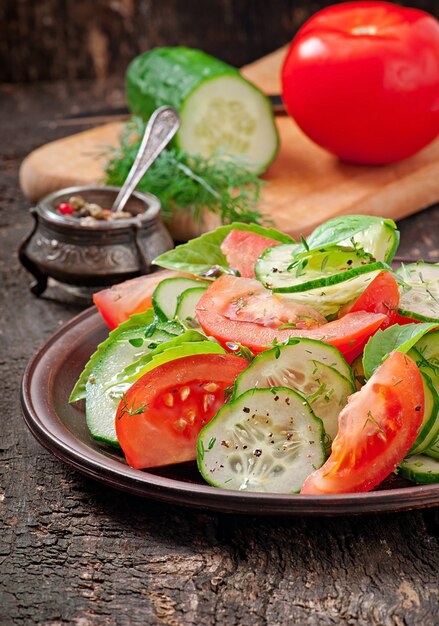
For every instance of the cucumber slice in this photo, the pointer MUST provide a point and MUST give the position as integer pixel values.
(420, 469)
(330, 298)
(136, 323)
(429, 429)
(358, 372)
(315, 369)
(379, 237)
(272, 266)
(429, 432)
(419, 295)
(165, 296)
(266, 440)
(312, 269)
(433, 450)
(186, 303)
(219, 109)
(101, 405)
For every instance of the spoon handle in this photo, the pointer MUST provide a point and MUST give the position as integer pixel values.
(162, 126)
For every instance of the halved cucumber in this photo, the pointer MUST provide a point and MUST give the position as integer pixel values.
(315, 369)
(100, 405)
(433, 450)
(419, 295)
(186, 303)
(266, 440)
(379, 237)
(420, 469)
(165, 296)
(219, 109)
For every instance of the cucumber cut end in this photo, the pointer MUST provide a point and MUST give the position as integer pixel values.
(228, 114)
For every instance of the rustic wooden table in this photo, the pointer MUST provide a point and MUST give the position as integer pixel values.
(75, 552)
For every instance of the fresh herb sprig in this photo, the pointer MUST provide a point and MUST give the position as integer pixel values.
(191, 183)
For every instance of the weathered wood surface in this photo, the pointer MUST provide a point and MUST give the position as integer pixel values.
(58, 39)
(75, 552)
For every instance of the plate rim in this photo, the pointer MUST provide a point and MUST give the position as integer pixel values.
(51, 432)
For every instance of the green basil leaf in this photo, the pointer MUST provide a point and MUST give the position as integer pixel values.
(200, 254)
(383, 342)
(375, 235)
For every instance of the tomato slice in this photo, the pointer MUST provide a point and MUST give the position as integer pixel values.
(242, 311)
(160, 416)
(243, 248)
(381, 296)
(118, 302)
(375, 430)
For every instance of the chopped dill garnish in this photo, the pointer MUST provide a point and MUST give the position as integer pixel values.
(190, 183)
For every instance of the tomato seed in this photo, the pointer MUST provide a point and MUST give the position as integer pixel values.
(211, 387)
(180, 424)
(168, 399)
(184, 392)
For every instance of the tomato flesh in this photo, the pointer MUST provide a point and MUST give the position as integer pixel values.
(376, 429)
(243, 248)
(220, 315)
(381, 296)
(160, 416)
(117, 303)
(361, 79)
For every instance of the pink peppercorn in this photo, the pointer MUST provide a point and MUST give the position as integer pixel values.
(65, 208)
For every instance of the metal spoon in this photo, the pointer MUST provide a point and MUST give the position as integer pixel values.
(162, 126)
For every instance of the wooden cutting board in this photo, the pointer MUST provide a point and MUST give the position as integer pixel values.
(307, 185)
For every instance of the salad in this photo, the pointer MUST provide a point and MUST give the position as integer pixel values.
(280, 366)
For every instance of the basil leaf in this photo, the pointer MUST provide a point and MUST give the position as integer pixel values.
(200, 254)
(346, 230)
(383, 342)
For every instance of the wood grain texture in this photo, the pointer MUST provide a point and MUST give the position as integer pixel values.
(59, 39)
(306, 184)
(75, 552)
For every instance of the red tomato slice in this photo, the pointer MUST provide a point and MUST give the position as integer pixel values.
(402, 320)
(375, 430)
(242, 249)
(160, 416)
(381, 296)
(117, 303)
(221, 312)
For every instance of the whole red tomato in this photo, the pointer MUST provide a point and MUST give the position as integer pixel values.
(362, 80)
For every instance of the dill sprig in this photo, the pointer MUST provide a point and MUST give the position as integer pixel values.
(186, 182)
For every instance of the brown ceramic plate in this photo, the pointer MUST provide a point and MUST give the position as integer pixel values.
(60, 427)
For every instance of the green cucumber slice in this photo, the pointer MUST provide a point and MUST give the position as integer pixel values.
(314, 369)
(190, 342)
(420, 469)
(328, 299)
(324, 279)
(136, 323)
(219, 109)
(429, 429)
(419, 293)
(433, 450)
(266, 440)
(186, 303)
(379, 237)
(165, 296)
(100, 405)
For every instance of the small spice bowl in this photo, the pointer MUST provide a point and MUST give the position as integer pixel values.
(93, 253)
